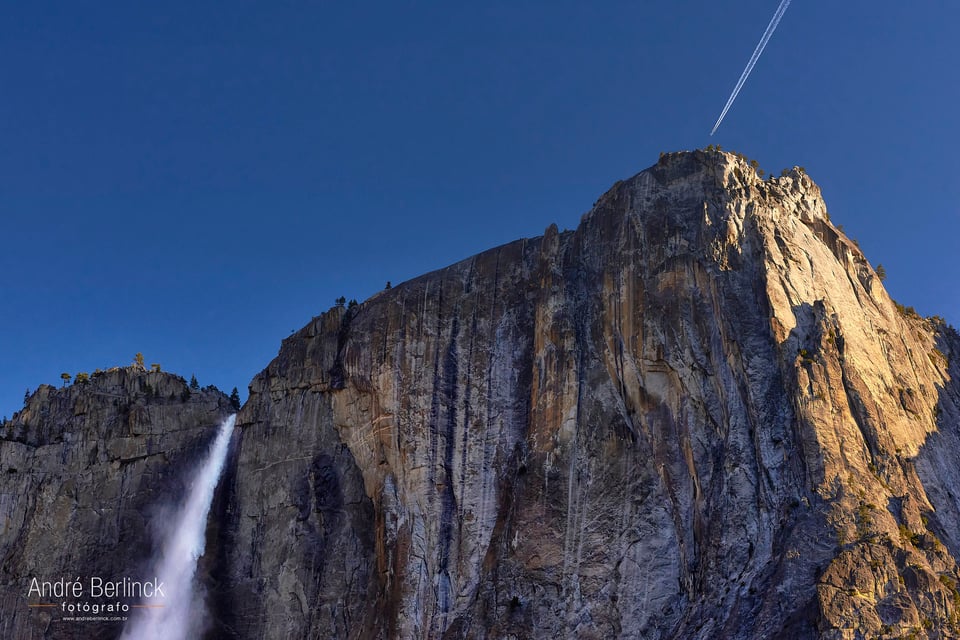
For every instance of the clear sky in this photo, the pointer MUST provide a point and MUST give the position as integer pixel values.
(194, 180)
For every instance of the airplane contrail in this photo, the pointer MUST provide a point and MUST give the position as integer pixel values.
(764, 39)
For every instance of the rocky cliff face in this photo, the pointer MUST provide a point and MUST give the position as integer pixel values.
(83, 469)
(697, 416)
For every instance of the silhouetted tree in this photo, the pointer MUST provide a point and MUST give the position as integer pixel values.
(881, 272)
(194, 384)
(235, 399)
(66, 378)
(389, 286)
(83, 377)
(155, 367)
(138, 360)
(26, 397)
(341, 301)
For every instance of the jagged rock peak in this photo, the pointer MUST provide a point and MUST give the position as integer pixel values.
(712, 172)
(698, 415)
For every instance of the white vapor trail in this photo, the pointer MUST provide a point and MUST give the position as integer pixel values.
(753, 59)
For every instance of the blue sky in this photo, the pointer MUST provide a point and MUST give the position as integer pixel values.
(195, 180)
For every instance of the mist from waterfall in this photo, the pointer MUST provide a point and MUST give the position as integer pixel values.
(174, 616)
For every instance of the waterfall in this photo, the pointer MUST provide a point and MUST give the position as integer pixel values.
(172, 617)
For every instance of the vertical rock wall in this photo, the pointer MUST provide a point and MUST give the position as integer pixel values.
(699, 415)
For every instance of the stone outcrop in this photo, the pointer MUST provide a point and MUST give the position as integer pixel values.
(699, 415)
(83, 470)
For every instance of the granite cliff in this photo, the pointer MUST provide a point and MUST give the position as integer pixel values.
(83, 470)
(698, 415)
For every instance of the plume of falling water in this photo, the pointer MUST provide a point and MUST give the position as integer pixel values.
(172, 617)
(764, 39)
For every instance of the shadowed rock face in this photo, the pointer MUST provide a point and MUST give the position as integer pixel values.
(83, 471)
(697, 416)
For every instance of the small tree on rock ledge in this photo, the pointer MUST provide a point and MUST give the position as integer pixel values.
(235, 399)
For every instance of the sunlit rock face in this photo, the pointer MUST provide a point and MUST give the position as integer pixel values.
(699, 415)
(85, 470)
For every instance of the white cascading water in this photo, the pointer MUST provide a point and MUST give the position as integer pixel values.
(173, 617)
